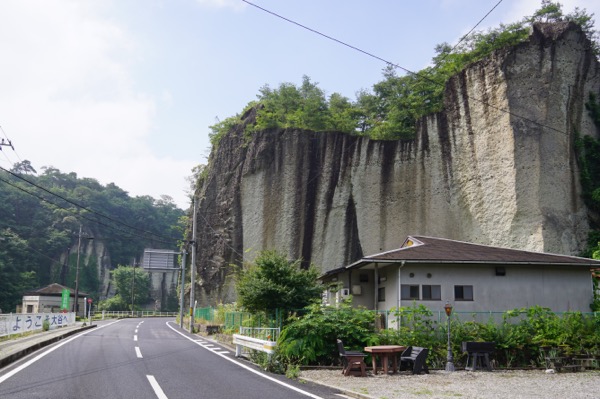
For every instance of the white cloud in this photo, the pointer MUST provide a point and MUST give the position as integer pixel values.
(68, 97)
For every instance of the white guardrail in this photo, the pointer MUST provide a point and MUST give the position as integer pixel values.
(18, 323)
(241, 341)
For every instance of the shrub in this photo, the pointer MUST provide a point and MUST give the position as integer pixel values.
(311, 339)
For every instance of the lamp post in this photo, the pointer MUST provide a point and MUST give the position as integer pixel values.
(450, 359)
(132, 288)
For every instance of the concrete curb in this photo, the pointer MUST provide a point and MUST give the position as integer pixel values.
(36, 344)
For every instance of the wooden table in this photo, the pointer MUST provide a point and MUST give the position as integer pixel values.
(383, 351)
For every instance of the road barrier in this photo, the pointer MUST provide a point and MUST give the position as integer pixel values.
(241, 341)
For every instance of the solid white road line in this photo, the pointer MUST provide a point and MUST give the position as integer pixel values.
(41, 355)
(157, 389)
(138, 353)
(276, 381)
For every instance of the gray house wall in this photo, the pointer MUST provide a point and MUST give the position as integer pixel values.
(560, 288)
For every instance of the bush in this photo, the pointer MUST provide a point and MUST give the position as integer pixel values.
(311, 339)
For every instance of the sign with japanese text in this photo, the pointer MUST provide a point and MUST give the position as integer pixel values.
(17, 323)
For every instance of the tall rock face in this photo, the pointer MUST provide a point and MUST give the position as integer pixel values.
(496, 166)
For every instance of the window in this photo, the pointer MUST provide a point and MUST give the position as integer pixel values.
(409, 291)
(381, 294)
(432, 292)
(463, 292)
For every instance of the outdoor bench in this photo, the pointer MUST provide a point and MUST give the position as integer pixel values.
(478, 353)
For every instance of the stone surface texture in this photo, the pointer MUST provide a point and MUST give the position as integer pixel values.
(496, 166)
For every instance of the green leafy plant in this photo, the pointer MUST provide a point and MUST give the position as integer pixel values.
(273, 283)
(311, 338)
(391, 110)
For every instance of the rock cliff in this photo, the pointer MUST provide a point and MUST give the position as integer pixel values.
(496, 167)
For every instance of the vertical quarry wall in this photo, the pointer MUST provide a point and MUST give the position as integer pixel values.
(496, 167)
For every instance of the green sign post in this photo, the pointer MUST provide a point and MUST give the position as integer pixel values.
(64, 303)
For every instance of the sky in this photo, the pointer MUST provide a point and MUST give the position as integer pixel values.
(124, 91)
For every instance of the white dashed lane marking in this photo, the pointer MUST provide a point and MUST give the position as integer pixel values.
(138, 353)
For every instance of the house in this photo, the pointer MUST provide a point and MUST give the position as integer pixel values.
(471, 277)
(48, 299)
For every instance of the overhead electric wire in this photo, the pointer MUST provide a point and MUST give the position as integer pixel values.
(90, 210)
(13, 148)
(354, 48)
(469, 32)
(127, 235)
(417, 74)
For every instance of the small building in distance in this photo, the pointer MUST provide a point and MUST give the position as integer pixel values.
(48, 299)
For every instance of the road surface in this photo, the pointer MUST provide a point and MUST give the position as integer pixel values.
(144, 358)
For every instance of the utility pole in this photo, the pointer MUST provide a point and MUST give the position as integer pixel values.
(193, 271)
(182, 291)
(132, 288)
(6, 144)
(77, 272)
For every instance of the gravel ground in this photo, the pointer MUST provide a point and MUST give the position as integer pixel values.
(464, 384)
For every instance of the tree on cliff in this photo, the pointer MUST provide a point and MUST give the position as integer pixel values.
(275, 283)
(391, 110)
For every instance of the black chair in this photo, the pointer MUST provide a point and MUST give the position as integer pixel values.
(415, 358)
(353, 362)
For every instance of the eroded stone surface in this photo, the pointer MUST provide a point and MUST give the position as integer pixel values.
(496, 167)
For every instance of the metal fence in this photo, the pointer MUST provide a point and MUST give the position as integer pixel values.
(235, 320)
(391, 320)
(106, 314)
(267, 334)
(387, 319)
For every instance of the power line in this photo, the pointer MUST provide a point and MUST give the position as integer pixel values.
(70, 210)
(88, 209)
(390, 63)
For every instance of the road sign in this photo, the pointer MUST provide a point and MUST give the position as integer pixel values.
(159, 260)
(89, 300)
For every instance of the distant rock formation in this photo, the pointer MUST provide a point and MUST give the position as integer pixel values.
(496, 167)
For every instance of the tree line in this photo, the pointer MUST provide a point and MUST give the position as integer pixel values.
(39, 226)
(391, 109)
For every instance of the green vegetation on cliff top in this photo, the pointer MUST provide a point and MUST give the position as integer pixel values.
(391, 110)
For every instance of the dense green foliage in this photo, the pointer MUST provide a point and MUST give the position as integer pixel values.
(521, 336)
(391, 110)
(38, 228)
(311, 338)
(273, 282)
(126, 278)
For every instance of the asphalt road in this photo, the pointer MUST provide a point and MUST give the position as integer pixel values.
(144, 358)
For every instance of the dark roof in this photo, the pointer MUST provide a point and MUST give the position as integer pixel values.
(54, 289)
(422, 249)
